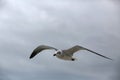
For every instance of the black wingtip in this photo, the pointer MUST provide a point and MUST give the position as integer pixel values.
(99, 54)
(109, 58)
(31, 56)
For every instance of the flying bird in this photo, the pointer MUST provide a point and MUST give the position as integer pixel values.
(66, 54)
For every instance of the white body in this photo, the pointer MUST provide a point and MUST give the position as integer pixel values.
(64, 56)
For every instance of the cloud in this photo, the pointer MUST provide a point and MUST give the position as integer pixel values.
(3, 75)
(62, 24)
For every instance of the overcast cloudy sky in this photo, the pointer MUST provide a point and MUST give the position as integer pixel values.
(25, 24)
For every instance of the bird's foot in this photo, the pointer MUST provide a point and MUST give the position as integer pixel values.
(73, 59)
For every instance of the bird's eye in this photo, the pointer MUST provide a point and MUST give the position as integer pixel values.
(58, 52)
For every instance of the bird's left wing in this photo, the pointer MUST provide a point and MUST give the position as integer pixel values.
(76, 48)
(97, 53)
(39, 49)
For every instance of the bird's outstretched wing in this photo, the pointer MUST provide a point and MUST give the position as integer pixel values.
(39, 49)
(77, 48)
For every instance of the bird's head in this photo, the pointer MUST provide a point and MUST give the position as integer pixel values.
(57, 53)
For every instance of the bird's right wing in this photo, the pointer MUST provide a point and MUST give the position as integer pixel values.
(39, 49)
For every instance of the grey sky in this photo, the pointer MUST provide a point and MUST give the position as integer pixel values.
(25, 24)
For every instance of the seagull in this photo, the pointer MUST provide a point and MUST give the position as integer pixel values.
(66, 54)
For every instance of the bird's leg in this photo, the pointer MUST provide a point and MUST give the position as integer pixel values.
(73, 59)
(54, 54)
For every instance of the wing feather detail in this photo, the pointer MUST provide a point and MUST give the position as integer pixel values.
(39, 49)
(76, 48)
